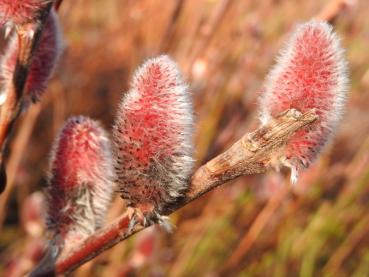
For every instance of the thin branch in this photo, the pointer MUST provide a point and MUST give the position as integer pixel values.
(208, 31)
(58, 4)
(20, 143)
(331, 11)
(171, 26)
(252, 154)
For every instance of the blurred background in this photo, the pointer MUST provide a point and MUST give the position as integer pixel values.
(253, 226)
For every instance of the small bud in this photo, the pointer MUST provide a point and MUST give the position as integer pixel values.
(43, 62)
(153, 137)
(310, 73)
(32, 214)
(20, 12)
(80, 181)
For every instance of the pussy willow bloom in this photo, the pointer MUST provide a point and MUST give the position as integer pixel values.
(18, 12)
(80, 181)
(43, 63)
(153, 137)
(310, 73)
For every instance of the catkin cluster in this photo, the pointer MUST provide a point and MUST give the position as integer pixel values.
(151, 157)
(152, 132)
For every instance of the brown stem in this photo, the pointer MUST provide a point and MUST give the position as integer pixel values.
(28, 35)
(20, 143)
(208, 31)
(331, 10)
(172, 25)
(252, 154)
(58, 4)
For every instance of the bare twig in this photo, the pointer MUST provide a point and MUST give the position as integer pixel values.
(20, 143)
(28, 36)
(172, 24)
(252, 154)
(208, 31)
(58, 4)
(332, 10)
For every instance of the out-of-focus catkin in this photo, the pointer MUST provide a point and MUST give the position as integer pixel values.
(310, 73)
(153, 134)
(80, 182)
(43, 62)
(20, 12)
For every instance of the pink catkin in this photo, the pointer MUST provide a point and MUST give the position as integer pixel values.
(80, 182)
(43, 63)
(153, 137)
(21, 11)
(310, 73)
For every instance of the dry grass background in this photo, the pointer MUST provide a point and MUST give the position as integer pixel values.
(253, 226)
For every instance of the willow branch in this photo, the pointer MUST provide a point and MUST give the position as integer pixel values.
(58, 4)
(332, 10)
(252, 154)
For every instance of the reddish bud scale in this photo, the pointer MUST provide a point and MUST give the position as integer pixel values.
(153, 136)
(310, 73)
(21, 11)
(44, 60)
(80, 182)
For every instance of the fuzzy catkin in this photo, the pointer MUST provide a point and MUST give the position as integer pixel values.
(20, 12)
(153, 137)
(80, 181)
(310, 73)
(43, 62)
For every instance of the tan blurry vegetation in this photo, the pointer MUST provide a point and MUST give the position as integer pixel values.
(251, 227)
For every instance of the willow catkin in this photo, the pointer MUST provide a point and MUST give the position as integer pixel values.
(153, 134)
(310, 73)
(80, 181)
(43, 64)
